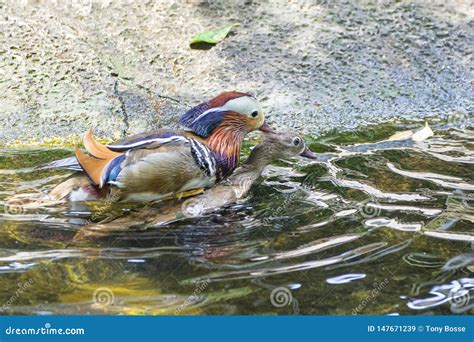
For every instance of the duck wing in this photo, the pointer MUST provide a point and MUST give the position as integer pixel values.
(134, 141)
(161, 164)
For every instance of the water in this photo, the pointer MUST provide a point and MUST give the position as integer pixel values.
(375, 227)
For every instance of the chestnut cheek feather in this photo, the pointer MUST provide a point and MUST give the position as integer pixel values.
(253, 124)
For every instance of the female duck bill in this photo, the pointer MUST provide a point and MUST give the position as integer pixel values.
(307, 153)
(266, 128)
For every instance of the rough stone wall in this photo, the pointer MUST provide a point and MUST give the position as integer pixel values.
(126, 66)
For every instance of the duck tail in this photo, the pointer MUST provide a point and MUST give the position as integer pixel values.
(66, 163)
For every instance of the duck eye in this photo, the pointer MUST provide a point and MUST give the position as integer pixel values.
(254, 114)
(296, 141)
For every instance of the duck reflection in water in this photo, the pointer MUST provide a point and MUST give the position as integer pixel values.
(273, 147)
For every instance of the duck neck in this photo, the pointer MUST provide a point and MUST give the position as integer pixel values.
(225, 143)
(253, 167)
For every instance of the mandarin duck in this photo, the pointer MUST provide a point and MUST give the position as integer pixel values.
(161, 163)
(273, 147)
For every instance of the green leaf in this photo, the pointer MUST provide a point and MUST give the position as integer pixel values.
(212, 36)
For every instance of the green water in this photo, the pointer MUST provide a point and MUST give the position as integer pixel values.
(373, 227)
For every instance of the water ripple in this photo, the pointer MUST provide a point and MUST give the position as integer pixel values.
(364, 212)
(345, 278)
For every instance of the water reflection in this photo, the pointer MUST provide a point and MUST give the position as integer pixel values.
(396, 212)
(457, 293)
(345, 278)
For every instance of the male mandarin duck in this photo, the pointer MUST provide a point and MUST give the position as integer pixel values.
(164, 162)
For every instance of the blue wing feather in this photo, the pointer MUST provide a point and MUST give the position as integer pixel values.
(202, 125)
(112, 169)
(187, 118)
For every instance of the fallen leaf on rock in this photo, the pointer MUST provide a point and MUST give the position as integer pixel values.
(212, 36)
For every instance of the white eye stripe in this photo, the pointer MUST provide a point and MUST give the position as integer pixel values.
(244, 105)
(216, 109)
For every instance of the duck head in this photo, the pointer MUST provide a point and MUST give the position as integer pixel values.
(288, 145)
(278, 146)
(236, 111)
(222, 124)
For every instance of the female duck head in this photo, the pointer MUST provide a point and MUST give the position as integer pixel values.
(240, 112)
(279, 146)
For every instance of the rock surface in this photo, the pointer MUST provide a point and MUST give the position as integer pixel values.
(124, 67)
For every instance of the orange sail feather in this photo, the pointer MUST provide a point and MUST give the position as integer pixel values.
(95, 164)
